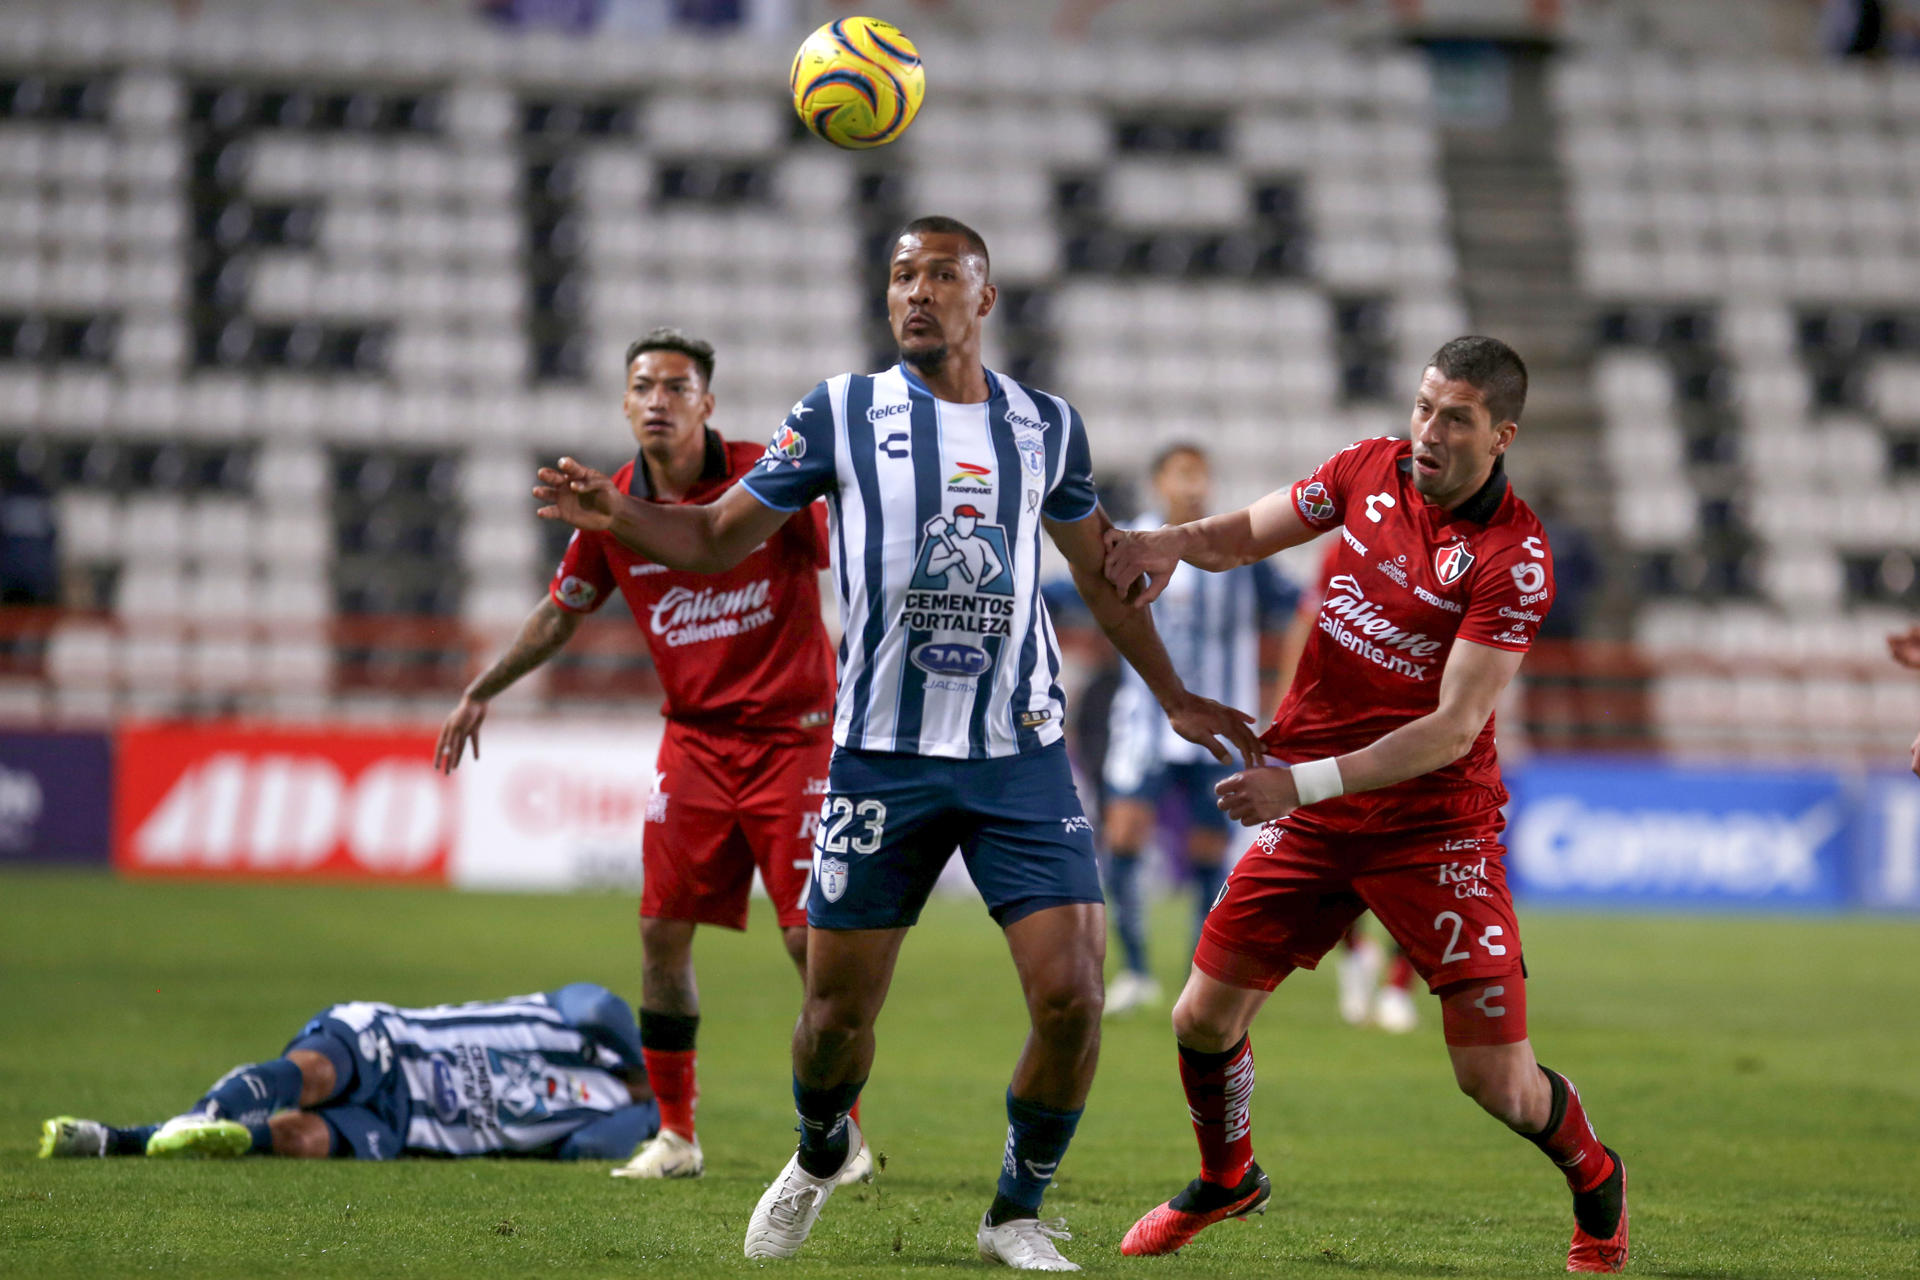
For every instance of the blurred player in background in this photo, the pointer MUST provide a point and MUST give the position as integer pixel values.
(941, 476)
(1215, 627)
(556, 1074)
(1905, 648)
(1390, 796)
(748, 673)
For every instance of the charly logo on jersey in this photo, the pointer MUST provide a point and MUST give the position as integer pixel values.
(1315, 502)
(787, 446)
(833, 879)
(577, 593)
(1452, 561)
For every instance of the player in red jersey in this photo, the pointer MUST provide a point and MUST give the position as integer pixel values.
(1389, 794)
(748, 673)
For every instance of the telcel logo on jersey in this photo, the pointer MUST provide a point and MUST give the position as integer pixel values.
(1357, 625)
(940, 658)
(685, 616)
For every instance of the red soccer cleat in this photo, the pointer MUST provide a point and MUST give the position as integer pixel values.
(1170, 1227)
(1589, 1252)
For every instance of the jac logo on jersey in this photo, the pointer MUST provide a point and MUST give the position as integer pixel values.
(688, 616)
(1452, 561)
(944, 659)
(1315, 503)
(198, 800)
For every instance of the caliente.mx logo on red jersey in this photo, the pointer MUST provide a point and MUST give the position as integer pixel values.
(1452, 561)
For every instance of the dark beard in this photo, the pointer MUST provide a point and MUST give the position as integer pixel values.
(926, 362)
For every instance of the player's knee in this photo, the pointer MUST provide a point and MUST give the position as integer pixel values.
(301, 1135)
(833, 1024)
(1501, 1094)
(1068, 1014)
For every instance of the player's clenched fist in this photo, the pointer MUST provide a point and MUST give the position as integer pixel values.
(1139, 563)
(576, 493)
(1256, 796)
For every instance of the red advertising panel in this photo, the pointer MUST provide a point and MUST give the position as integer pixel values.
(255, 802)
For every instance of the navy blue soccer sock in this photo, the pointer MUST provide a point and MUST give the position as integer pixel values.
(252, 1093)
(131, 1141)
(1037, 1138)
(1206, 887)
(824, 1134)
(1123, 887)
(262, 1137)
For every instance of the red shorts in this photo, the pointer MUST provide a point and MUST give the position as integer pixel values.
(723, 804)
(1292, 896)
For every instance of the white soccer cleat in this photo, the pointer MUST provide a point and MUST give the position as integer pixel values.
(665, 1155)
(1359, 972)
(65, 1136)
(788, 1209)
(859, 1169)
(1129, 991)
(1025, 1244)
(1394, 1011)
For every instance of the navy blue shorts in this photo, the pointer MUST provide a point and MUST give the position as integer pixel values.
(369, 1119)
(1193, 781)
(890, 822)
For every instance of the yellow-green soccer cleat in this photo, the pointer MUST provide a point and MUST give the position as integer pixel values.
(193, 1137)
(65, 1136)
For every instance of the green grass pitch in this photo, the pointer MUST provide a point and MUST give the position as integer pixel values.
(1762, 1076)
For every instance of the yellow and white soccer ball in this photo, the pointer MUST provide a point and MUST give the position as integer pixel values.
(858, 82)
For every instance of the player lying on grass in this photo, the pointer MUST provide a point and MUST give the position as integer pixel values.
(556, 1074)
(1385, 791)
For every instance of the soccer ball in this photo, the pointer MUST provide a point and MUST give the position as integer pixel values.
(858, 82)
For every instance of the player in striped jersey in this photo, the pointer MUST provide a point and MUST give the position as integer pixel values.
(1214, 626)
(555, 1074)
(940, 476)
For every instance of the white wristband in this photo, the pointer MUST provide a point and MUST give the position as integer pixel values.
(1317, 780)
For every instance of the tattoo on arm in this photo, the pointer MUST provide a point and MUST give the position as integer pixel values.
(544, 633)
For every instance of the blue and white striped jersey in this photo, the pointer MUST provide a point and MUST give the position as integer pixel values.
(935, 510)
(510, 1076)
(1211, 625)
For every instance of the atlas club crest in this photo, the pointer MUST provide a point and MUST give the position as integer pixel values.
(1452, 561)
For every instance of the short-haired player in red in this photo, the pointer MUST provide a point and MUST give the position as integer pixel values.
(748, 674)
(1389, 796)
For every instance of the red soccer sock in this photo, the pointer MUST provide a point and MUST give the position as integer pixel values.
(1400, 973)
(671, 1072)
(855, 1112)
(1219, 1090)
(1569, 1139)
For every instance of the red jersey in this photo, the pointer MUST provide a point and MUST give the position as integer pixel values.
(1405, 579)
(742, 649)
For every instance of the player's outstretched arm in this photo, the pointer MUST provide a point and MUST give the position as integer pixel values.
(1139, 563)
(1197, 719)
(1470, 686)
(544, 633)
(708, 537)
